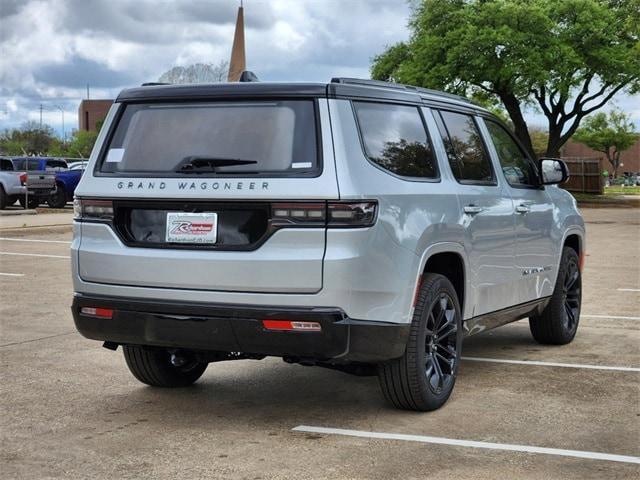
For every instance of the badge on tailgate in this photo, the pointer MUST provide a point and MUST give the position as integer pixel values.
(192, 227)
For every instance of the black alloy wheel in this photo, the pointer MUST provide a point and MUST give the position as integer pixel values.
(440, 344)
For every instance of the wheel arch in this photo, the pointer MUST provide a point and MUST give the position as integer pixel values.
(574, 238)
(448, 259)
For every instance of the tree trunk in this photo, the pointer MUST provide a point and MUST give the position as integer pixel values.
(616, 163)
(512, 105)
(554, 143)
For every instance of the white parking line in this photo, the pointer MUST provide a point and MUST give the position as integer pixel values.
(614, 317)
(34, 255)
(9, 239)
(551, 364)
(12, 274)
(470, 443)
(629, 289)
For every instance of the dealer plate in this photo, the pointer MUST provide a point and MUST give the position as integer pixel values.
(192, 227)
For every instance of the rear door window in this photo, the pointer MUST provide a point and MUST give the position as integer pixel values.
(395, 139)
(230, 138)
(466, 152)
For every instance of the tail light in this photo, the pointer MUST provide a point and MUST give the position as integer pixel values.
(331, 214)
(351, 214)
(23, 179)
(97, 312)
(92, 210)
(298, 213)
(288, 325)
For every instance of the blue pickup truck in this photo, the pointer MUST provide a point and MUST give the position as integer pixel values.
(66, 182)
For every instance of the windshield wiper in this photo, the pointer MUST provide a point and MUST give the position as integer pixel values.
(198, 164)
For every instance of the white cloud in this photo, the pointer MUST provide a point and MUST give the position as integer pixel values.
(50, 49)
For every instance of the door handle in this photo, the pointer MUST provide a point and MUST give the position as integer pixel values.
(523, 208)
(472, 209)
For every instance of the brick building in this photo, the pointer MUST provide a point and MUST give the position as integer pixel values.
(630, 158)
(92, 111)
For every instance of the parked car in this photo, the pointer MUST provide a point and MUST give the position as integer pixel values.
(12, 183)
(40, 180)
(75, 164)
(356, 225)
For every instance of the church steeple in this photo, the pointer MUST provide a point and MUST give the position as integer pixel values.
(238, 61)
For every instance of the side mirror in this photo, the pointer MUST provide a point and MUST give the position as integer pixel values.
(554, 171)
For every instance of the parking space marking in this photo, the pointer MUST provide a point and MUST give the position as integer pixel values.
(551, 364)
(613, 317)
(10, 239)
(629, 289)
(11, 274)
(470, 443)
(35, 255)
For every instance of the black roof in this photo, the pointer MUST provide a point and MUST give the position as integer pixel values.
(337, 88)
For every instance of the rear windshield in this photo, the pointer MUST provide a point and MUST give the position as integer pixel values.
(24, 164)
(234, 138)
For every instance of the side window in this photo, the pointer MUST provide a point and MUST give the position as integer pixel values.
(395, 138)
(55, 164)
(517, 168)
(467, 155)
(33, 164)
(6, 165)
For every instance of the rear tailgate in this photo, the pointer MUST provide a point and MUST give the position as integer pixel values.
(40, 183)
(215, 228)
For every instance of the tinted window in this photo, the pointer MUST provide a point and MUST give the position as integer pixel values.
(269, 136)
(56, 164)
(517, 168)
(23, 164)
(467, 156)
(395, 138)
(6, 165)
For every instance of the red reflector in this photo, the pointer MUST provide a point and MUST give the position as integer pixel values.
(97, 312)
(277, 324)
(291, 325)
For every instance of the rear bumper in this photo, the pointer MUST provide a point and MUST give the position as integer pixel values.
(238, 328)
(41, 192)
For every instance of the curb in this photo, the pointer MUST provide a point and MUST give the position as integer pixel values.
(10, 213)
(37, 229)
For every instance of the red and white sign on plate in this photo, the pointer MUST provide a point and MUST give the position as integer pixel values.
(192, 227)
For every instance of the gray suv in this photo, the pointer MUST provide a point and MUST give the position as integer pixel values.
(356, 225)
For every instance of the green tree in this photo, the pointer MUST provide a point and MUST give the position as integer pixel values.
(81, 143)
(610, 134)
(539, 140)
(30, 139)
(566, 58)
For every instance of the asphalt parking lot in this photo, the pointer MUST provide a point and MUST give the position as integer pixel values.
(71, 409)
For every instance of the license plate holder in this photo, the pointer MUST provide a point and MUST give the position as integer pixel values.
(194, 228)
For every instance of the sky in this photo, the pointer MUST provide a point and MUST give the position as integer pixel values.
(51, 49)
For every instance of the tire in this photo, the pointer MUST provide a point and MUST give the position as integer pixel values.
(153, 366)
(420, 380)
(58, 199)
(33, 202)
(558, 322)
(3, 198)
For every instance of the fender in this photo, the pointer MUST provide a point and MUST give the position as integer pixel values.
(572, 230)
(447, 247)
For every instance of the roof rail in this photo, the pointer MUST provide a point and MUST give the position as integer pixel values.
(396, 86)
(153, 84)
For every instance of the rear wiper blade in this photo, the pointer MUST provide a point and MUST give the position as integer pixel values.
(198, 164)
